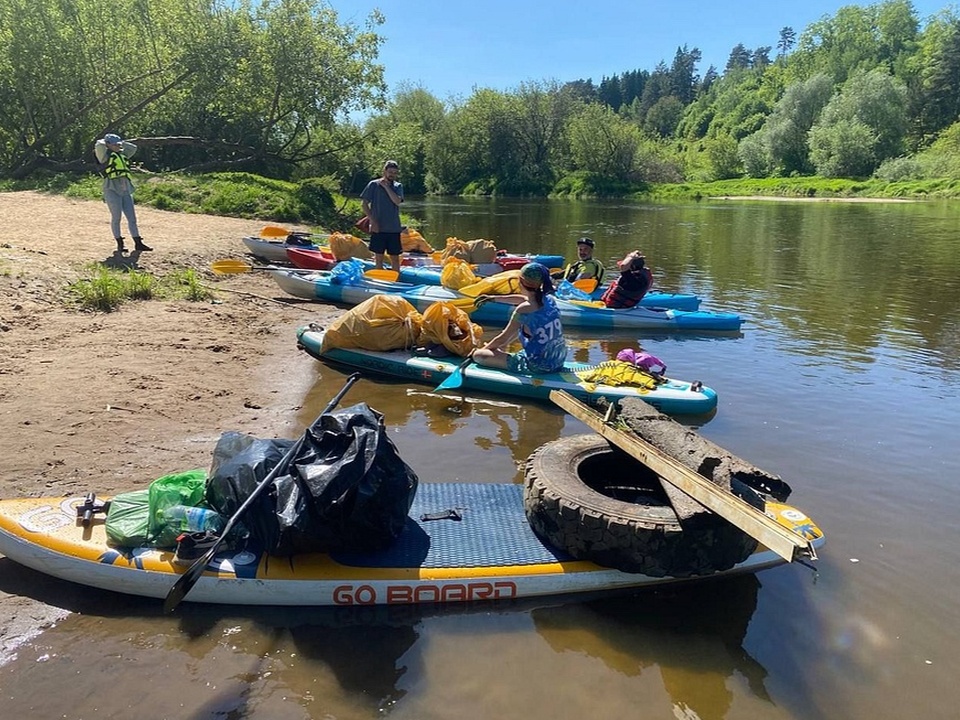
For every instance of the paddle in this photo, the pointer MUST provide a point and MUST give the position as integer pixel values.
(454, 379)
(272, 231)
(587, 285)
(233, 267)
(275, 231)
(193, 573)
(382, 274)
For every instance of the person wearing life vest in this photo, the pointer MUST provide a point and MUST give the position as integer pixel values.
(634, 282)
(586, 266)
(114, 155)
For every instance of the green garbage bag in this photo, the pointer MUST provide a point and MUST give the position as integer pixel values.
(128, 519)
(184, 488)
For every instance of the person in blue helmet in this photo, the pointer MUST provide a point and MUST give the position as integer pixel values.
(535, 322)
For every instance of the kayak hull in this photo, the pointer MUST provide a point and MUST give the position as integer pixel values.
(674, 397)
(646, 316)
(489, 554)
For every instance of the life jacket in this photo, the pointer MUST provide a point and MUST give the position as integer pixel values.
(574, 269)
(117, 166)
(618, 296)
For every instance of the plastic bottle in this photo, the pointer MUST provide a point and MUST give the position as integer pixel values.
(194, 519)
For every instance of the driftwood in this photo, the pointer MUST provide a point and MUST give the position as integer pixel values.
(697, 453)
(731, 506)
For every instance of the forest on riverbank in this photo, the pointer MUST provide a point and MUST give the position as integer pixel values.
(865, 102)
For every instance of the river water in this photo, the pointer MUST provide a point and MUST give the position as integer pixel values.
(845, 380)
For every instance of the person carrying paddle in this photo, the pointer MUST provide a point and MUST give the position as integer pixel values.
(381, 200)
(114, 155)
(535, 321)
(634, 281)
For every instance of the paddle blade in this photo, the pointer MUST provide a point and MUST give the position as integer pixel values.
(455, 379)
(273, 231)
(388, 275)
(587, 285)
(230, 267)
(588, 303)
(186, 581)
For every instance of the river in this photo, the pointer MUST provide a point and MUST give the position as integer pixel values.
(845, 380)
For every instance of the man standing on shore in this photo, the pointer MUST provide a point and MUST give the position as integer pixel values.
(381, 200)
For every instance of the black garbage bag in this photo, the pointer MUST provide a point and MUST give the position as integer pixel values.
(347, 488)
(240, 463)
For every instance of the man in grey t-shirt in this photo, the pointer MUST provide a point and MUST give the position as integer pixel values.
(381, 200)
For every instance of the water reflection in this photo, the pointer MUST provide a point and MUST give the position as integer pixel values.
(360, 662)
(834, 277)
(469, 437)
(694, 637)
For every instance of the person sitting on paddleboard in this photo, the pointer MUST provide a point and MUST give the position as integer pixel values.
(586, 266)
(536, 321)
(634, 282)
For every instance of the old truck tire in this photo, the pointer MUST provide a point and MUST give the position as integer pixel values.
(597, 503)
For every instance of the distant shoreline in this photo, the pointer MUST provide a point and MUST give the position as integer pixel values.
(785, 198)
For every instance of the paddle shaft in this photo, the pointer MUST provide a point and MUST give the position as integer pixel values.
(195, 571)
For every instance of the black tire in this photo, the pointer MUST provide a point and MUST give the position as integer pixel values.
(597, 503)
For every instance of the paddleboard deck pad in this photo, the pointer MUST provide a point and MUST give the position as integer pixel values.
(462, 542)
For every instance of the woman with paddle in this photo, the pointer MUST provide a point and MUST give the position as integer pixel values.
(536, 321)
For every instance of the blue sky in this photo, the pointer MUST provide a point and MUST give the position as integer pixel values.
(451, 46)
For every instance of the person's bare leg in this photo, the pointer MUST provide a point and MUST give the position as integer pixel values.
(378, 257)
(491, 358)
(395, 262)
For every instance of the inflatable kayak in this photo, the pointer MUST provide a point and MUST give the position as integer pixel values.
(414, 267)
(653, 313)
(276, 250)
(462, 542)
(673, 397)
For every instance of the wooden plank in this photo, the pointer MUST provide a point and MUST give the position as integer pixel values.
(755, 523)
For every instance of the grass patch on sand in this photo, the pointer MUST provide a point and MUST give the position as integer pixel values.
(105, 289)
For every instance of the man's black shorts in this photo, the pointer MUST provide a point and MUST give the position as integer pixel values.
(389, 243)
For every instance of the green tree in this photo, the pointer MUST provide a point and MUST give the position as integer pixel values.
(662, 119)
(683, 74)
(935, 100)
(403, 133)
(862, 125)
(857, 39)
(236, 85)
(780, 146)
(739, 58)
(788, 38)
(603, 143)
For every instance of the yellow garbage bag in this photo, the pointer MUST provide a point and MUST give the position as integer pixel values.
(344, 247)
(505, 283)
(455, 248)
(456, 274)
(446, 324)
(482, 251)
(412, 241)
(617, 373)
(473, 252)
(383, 322)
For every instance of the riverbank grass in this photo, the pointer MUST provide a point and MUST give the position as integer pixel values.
(106, 289)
